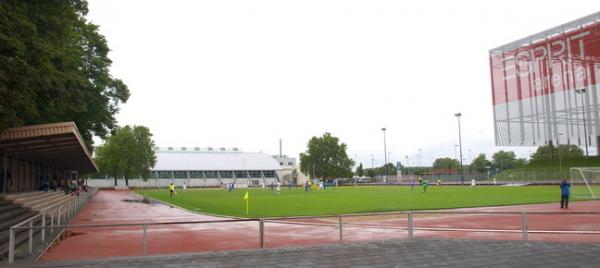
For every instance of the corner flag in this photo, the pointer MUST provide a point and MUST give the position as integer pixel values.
(247, 198)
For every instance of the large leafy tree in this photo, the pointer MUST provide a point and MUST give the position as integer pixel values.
(128, 153)
(326, 158)
(480, 163)
(551, 152)
(507, 160)
(54, 67)
(446, 163)
(359, 170)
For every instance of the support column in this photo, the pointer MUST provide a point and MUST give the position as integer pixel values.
(4, 172)
(17, 175)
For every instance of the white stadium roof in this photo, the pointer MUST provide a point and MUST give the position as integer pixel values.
(214, 160)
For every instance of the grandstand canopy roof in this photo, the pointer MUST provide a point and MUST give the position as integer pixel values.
(218, 161)
(58, 144)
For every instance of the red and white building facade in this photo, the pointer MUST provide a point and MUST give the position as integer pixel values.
(546, 85)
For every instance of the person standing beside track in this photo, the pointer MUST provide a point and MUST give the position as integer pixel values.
(565, 190)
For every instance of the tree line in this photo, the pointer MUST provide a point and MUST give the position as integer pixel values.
(500, 161)
(54, 67)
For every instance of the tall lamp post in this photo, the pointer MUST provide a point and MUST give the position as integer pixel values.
(455, 151)
(462, 175)
(385, 155)
(559, 156)
(406, 164)
(582, 92)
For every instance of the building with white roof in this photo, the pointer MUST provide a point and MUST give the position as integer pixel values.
(214, 163)
(210, 167)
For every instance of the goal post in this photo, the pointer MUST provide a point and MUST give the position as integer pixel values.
(585, 182)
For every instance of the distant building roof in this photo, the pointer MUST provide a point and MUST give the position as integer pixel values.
(213, 160)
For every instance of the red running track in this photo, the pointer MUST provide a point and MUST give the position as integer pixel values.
(108, 207)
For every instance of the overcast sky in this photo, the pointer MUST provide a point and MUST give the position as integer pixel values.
(247, 73)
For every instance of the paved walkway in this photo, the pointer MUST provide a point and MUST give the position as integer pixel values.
(109, 207)
(398, 253)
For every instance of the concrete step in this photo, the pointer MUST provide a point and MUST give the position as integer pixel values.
(10, 214)
(4, 225)
(7, 207)
(21, 236)
(51, 202)
(20, 195)
(4, 201)
(49, 198)
(30, 197)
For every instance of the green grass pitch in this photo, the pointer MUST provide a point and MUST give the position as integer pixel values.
(344, 200)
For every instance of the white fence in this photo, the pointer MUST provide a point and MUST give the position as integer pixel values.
(190, 183)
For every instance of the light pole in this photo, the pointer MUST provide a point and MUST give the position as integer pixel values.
(455, 151)
(406, 164)
(462, 176)
(559, 156)
(582, 92)
(384, 156)
(432, 171)
(470, 156)
(372, 162)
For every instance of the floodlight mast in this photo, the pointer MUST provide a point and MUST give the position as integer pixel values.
(582, 92)
(462, 175)
(385, 155)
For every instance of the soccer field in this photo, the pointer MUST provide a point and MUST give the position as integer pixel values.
(343, 200)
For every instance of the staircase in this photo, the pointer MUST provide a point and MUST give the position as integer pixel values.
(15, 208)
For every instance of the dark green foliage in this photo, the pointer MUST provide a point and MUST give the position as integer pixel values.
(326, 158)
(446, 163)
(480, 163)
(563, 151)
(54, 67)
(128, 153)
(388, 169)
(359, 170)
(503, 160)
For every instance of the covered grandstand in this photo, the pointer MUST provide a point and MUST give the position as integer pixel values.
(42, 154)
(205, 167)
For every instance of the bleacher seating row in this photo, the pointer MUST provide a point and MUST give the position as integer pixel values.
(15, 208)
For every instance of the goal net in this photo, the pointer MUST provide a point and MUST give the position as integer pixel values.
(585, 182)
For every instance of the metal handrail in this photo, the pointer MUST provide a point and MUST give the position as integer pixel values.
(69, 208)
(410, 228)
(430, 212)
(51, 208)
(135, 224)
